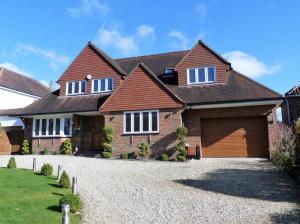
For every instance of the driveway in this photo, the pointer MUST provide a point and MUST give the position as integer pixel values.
(205, 191)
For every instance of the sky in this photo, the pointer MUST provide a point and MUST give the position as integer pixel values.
(259, 37)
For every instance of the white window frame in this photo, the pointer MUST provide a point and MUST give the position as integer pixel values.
(73, 87)
(106, 90)
(141, 122)
(197, 75)
(62, 126)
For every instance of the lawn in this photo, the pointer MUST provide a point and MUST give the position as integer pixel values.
(27, 197)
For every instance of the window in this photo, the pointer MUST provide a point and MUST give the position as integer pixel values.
(52, 126)
(77, 87)
(169, 71)
(201, 75)
(140, 122)
(102, 85)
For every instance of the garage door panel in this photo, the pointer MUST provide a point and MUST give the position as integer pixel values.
(234, 137)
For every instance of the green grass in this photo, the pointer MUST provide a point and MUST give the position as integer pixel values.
(27, 197)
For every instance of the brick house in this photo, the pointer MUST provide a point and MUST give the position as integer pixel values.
(146, 98)
(291, 106)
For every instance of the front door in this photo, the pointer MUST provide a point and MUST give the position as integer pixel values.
(97, 134)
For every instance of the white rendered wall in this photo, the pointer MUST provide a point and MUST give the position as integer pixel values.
(10, 99)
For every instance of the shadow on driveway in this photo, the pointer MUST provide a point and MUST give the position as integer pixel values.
(264, 184)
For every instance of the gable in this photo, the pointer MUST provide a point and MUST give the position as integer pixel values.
(202, 56)
(140, 91)
(90, 62)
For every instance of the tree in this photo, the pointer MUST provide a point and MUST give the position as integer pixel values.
(68, 147)
(25, 147)
(107, 141)
(181, 133)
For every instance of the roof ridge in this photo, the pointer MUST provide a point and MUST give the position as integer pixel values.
(149, 55)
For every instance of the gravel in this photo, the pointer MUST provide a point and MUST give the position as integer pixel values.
(205, 191)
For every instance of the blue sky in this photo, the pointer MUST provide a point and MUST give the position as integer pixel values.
(260, 37)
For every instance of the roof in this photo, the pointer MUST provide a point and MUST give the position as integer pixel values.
(18, 82)
(53, 103)
(10, 111)
(155, 62)
(293, 91)
(238, 88)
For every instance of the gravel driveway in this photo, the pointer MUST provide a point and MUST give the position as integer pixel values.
(206, 191)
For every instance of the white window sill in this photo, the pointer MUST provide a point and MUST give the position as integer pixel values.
(140, 133)
(52, 136)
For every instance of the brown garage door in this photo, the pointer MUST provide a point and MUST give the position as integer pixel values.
(234, 137)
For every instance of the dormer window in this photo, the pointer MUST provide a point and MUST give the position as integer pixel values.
(201, 75)
(169, 71)
(102, 85)
(76, 87)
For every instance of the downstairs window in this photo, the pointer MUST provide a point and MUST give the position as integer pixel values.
(52, 127)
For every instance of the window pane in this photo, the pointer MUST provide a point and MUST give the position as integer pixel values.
(83, 86)
(192, 75)
(76, 88)
(44, 126)
(57, 126)
(95, 85)
(110, 87)
(37, 127)
(128, 122)
(102, 88)
(67, 126)
(145, 121)
(50, 127)
(136, 120)
(69, 88)
(201, 74)
(154, 121)
(211, 74)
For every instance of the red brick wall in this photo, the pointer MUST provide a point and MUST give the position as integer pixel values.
(140, 91)
(5, 147)
(89, 62)
(52, 144)
(200, 56)
(164, 142)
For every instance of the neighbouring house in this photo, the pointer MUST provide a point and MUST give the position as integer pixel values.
(16, 92)
(146, 98)
(291, 106)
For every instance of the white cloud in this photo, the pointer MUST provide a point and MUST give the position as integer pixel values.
(201, 10)
(112, 38)
(181, 41)
(89, 7)
(16, 69)
(55, 60)
(250, 65)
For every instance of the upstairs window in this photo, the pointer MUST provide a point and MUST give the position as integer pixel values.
(201, 75)
(76, 87)
(102, 85)
(141, 122)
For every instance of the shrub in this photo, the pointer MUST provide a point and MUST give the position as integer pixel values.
(25, 147)
(68, 147)
(181, 133)
(164, 157)
(282, 146)
(46, 151)
(64, 180)
(12, 163)
(107, 141)
(73, 200)
(124, 155)
(47, 169)
(144, 149)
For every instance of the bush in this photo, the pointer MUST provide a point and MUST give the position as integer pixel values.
(46, 151)
(144, 149)
(64, 180)
(164, 157)
(106, 155)
(68, 147)
(47, 170)
(73, 200)
(282, 146)
(12, 163)
(107, 141)
(124, 155)
(181, 133)
(25, 147)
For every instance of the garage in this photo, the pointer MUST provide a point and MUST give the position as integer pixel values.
(234, 137)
